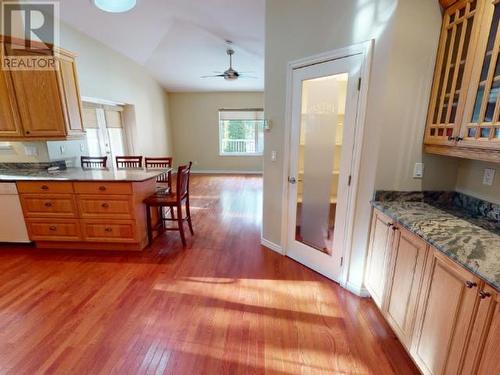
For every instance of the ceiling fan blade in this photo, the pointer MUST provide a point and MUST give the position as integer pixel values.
(218, 75)
(247, 77)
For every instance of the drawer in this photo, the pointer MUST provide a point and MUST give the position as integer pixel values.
(48, 205)
(103, 188)
(109, 230)
(54, 229)
(106, 206)
(44, 187)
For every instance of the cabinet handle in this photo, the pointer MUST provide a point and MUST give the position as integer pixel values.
(102, 188)
(53, 228)
(470, 284)
(483, 294)
(458, 139)
(108, 229)
(48, 204)
(390, 225)
(44, 187)
(450, 138)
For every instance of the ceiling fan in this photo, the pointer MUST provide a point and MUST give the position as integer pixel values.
(230, 74)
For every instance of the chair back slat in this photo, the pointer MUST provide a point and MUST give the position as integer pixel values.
(160, 163)
(93, 162)
(128, 162)
(183, 173)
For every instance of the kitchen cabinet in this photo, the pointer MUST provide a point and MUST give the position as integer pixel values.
(463, 115)
(47, 101)
(447, 318)
(406, 268)
(483, 352)
(10, 125)
(444, 316)
(86, 214)
(381, 238)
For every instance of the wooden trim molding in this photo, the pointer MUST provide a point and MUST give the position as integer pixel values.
(464, 152)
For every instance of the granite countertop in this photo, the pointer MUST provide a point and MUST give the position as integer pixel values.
(78, 174)
(460, 236)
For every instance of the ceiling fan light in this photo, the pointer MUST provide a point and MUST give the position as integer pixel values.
(115, 6)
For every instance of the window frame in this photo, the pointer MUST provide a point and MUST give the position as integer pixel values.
(221, 127)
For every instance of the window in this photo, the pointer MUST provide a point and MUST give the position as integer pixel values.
(241, 132)
(104, 130)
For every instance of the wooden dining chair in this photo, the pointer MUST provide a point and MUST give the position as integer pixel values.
(93, 162)
(173, 201)
(128, 162)
(164, 181)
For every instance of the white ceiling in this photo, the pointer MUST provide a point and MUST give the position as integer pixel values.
(180, 40)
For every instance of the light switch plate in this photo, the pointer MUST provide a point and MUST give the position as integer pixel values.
(489, 176)
(274, 155)
(30, 150)
(418, 170)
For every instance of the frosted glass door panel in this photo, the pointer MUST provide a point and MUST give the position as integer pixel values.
(320, 147)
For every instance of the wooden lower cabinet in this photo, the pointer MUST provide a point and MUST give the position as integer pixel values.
(378, 257)
(408, 257)
(87, 215)
(446, 317)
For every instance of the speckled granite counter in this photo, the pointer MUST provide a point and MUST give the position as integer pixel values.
(469, 238)
(77, 174)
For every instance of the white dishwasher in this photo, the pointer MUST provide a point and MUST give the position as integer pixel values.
(12, 225)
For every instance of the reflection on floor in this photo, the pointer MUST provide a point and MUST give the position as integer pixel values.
(225, 305)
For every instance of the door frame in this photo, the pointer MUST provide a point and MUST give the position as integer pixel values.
(365, 49)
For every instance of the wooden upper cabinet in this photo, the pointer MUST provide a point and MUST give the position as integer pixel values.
(444, 317)
(457, 46)
(10, 125)
(69, 81)
(405, 278)
(481, 123)
(381, 239)
(40, 102)
(47, 101)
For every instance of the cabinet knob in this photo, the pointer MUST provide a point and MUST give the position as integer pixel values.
(483, 294)
(52, 228)
(27, 132)
(48, 204)
(108, 229)
(105, 205)
(102, 188)
(44, 187)
(470, 284)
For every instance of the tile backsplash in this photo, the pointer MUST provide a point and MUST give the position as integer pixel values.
(33, 152)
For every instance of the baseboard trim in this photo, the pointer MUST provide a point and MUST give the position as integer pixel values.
(356, 289)
(271, 245)
(215, 171)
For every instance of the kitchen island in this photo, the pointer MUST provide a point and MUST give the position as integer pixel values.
(85, 209)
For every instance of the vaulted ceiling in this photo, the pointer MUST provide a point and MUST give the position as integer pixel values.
(180, 40)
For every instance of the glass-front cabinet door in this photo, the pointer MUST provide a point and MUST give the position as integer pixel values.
(457, 45)
(481, 125)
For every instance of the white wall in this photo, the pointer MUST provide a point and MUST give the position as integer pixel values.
(195, 127)
(406, 35)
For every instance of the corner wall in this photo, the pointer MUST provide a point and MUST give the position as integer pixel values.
(406, 36)
(195, 126)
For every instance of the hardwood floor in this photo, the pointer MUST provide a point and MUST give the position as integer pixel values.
(224, 305)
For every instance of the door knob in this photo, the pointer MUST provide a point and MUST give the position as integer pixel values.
(292, 180)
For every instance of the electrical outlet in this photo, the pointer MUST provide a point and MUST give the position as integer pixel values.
(489, 176)
(418, 170)
(30, 150)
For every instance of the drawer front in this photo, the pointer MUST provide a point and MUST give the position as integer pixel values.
(54, 229)
(35, 187)
(48, 205)
(103, 188)
(109, 230)
(108, 206)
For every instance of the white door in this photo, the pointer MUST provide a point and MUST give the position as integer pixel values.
(324, 106)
